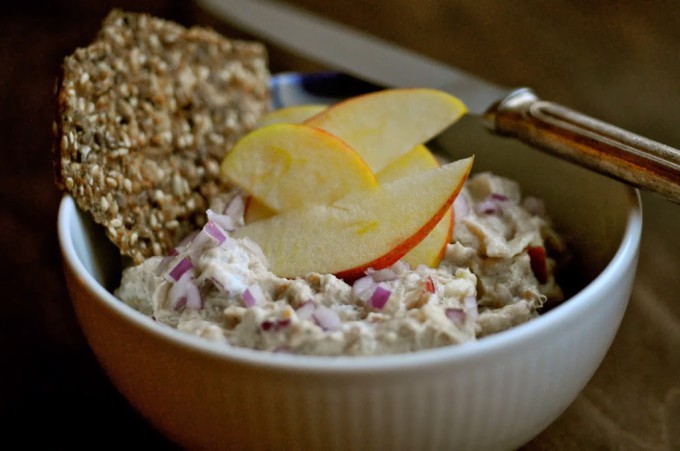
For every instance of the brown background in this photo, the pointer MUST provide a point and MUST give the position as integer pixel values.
(619, 62)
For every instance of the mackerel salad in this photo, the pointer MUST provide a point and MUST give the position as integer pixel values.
(498, 271)
(158, 123)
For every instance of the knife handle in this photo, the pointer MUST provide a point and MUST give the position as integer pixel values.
(594, 144)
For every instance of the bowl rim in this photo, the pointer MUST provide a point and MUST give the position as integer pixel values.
(467, 352)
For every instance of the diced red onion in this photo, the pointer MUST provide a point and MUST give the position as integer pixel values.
(326, 318)
(487, 207)
(493, 204)
(306, 310)
(163, 264)
(470, 307)
(371, 292)
(215, 232)
(198, 245)
(193, 295)
(210, 235)
(253, 295)
(379, 297)
(323, 316)
(185, 293)
(236, 207)
(180, 269)
(180, 302)
(248, 298)
(457, 315)
(364, 287)
(224, 221)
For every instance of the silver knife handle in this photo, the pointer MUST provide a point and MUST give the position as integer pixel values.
(599, 146)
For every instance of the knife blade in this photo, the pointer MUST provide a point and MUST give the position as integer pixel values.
(351, 51)
(516, 113)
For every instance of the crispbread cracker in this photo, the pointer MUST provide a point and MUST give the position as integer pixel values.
(145, 115)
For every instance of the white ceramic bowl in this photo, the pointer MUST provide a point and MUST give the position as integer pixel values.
(496, 393)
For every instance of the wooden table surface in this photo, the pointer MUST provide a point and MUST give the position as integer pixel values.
(618, 62)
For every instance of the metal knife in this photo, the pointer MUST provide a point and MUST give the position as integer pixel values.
(516, 113)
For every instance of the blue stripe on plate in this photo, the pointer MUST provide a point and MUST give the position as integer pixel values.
(293, 88)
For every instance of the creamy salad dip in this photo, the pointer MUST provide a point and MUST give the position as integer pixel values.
(498, 272)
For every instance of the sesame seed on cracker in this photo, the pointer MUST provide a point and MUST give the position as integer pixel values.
(146, 113)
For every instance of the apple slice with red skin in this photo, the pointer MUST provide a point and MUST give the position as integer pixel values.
(416, 160)
(294, 114)
(366, 229)
(287, 166)
(431, 250)
(539, 263)
(383, 125)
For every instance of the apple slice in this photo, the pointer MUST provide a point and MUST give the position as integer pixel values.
(286, 166)
(366, 228)
(256, 211)
(290, 115)
(431, 250)
(295, 114)
(416, 160)
(383, 125)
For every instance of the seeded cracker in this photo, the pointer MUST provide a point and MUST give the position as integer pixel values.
(145, 115)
